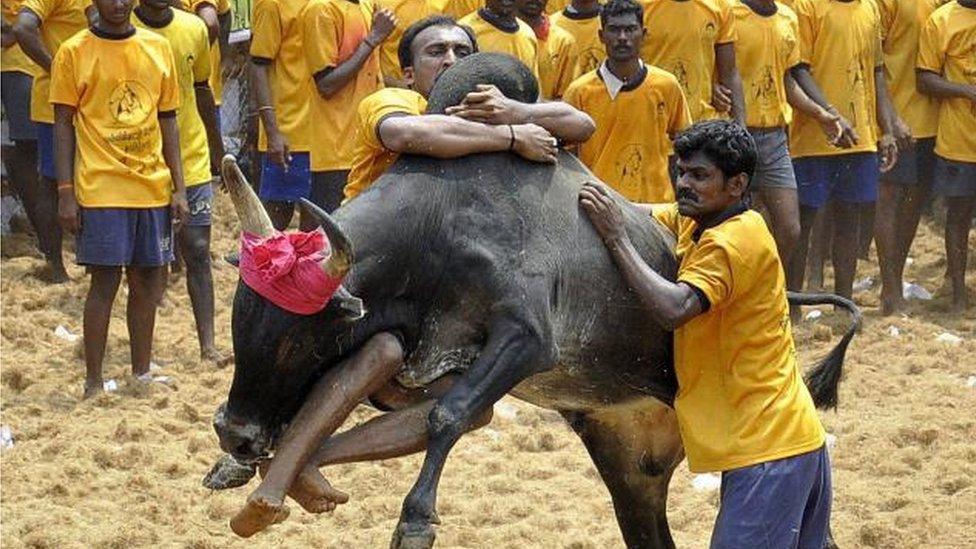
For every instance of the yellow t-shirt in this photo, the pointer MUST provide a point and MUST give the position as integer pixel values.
(767, 47)
(371, 157)
(407, 13)
(217, 74)
(119, 86)
(681, 39)
(585, 32)
(13, 59)
(187, 36)
(947, 46)
(331, 32)
(741, 398)
(60, 19)
(455, 8)
(276, 35)
(519, 42)
(555, 6)
(902, 21)
(841, 41)
(630, 148)
(559, 63)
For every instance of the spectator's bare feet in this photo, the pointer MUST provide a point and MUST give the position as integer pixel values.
(258, 513)
(93, 388)
(214, 355)
(52, 274)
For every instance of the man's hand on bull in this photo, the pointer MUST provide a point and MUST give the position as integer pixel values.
(488, 105)
(604, 213)
(534, 143)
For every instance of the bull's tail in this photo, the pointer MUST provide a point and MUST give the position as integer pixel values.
(823, 379)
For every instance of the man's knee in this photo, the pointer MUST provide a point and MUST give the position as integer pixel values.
(196, 249)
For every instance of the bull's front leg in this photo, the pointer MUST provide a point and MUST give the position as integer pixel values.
(515, 350)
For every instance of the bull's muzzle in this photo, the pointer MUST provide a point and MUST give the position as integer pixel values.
(244, 440)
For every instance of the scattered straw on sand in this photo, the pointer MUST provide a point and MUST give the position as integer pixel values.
(124, 469)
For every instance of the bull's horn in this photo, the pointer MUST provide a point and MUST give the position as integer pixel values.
(342, 257)
(254, 219)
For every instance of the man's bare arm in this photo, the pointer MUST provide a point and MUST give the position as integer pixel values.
(488, 105)
(278, 146)
(829, 122)
(27, 29)
(804, 79)
(442, 136)
(64, 155)
(207, 108)
(332, 79)
(935, 85)
(670, 304)
(728, 76)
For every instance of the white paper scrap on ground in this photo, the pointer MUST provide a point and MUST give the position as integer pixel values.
(813, 315)
(6, 437)
(62, 333)
(505, 410)
(110, 386)
(914, 291)
(863, 284)
(831, 440)
(153, 366)
(706, 482)
(951, 339)
(893, 331)
(971, 382)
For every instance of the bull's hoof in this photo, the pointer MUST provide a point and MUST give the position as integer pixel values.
(413, 536)
(228, 473)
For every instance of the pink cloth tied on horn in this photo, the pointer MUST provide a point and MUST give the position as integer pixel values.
(285, 269)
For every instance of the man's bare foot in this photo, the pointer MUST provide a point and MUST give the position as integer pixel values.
(958, 304)
(93, 388)
(258, 513)
(52, 274)
(311, 490)
(219, 359)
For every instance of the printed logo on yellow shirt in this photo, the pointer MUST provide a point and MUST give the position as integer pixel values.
(764, 87)
(129, 103)
(856, 82)
(680, 71)
(630, 162)
(708, 36)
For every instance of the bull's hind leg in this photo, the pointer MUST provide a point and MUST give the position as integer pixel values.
(635, 448)
(513, 352)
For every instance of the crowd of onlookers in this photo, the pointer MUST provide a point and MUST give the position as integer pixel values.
(861, 110)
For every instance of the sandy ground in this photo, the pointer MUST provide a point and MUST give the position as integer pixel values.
(124, 469)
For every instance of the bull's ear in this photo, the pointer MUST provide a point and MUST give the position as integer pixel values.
(350, 306)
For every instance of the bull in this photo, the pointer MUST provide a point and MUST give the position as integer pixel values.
(484, 265)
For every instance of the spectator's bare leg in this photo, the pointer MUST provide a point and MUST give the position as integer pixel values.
(98, 311)
(146, 286)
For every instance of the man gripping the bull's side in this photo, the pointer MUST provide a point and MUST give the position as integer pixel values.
(742, 407)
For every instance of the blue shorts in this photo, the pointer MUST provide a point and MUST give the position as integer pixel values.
(915, 166)
(45, 150)
(279, 185)
(781, 503)
(112, 237)
(200, 200)
(954, 179)
(851, 178)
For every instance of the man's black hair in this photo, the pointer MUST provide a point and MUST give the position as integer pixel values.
(405, 56)
(621, 7)
(727, 144)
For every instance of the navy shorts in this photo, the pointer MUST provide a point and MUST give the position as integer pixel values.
(45, 150)
(851, 178)
(112, 237)
(781, 503)
(15, 94)
(327, 189)
(916, 165)
(200, 200)
(954, 179)
(282, 186)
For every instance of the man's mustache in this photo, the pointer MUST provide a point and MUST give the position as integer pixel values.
(687, 194)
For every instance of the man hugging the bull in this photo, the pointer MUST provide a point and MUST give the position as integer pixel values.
(742, 407)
